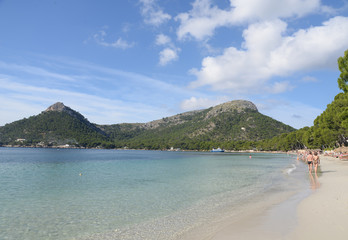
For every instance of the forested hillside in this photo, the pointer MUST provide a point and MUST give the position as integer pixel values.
(53, 128)
(200, 130)
(222, 125)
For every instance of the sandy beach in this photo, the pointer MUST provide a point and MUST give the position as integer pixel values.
(320, 212)
(324, 214)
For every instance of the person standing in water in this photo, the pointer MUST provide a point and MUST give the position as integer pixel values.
(316, 161)
(309, 160)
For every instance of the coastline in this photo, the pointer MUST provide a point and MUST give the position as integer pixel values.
(319, 212)
(144, 149)
(259, 216)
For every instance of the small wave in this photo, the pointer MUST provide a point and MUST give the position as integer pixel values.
(291, 169)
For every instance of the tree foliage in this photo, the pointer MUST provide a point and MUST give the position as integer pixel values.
(343, 67)
(52, 128)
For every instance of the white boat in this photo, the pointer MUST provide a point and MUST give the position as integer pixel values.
(217, 150)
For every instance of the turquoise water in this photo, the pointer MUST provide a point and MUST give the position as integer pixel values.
(127, 194)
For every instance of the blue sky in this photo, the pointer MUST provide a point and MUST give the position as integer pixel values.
(142, 60)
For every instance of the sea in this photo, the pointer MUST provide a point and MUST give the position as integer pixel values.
(80, 194)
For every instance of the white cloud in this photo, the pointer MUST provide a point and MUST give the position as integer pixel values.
(313, 48)
(256, 10)
(267, 53)
(201, 103)
(167, 55)
(162, 39)
(201, 21)
(152, 13)
(119, 43)
(242, 70)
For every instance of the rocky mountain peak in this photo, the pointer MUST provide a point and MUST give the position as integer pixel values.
(60, 107)
(238, 105)
(57, 107)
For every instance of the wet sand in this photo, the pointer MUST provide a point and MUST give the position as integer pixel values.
(319, 212)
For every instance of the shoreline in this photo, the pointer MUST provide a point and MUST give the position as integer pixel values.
(257, 217)
(318, 212)
(165, 150)
(324, 214)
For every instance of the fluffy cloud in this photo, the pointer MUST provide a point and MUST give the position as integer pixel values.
(267, 52)
(242, 69)
(201, 21)
(152, 14)
(246, 11)
(313, 48)
(162, 39)
(167, 55)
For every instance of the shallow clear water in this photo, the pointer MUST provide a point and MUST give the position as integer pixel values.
(126, 194)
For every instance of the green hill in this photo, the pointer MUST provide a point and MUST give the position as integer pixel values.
(232, 121)
(56, 126)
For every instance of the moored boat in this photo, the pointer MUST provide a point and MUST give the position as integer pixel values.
(217, 150)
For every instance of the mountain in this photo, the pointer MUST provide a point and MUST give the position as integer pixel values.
(232, 121)
(60, 107)
(237, 120)
(57, 125)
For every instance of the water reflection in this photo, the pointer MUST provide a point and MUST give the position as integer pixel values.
(314, 181)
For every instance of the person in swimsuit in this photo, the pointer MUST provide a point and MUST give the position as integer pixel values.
(310, 161)
(316, 161)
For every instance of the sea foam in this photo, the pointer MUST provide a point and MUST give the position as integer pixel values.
(290, 169)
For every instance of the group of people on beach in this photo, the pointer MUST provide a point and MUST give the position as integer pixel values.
(313, 160)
